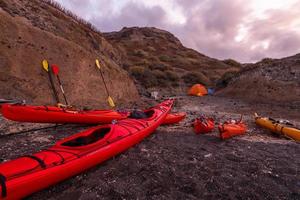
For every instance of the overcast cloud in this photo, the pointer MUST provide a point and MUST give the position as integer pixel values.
(243, 30)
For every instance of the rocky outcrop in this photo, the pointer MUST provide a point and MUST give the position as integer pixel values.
(270, 80)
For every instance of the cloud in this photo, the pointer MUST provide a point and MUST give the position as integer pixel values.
(243, 30)
(131, 16)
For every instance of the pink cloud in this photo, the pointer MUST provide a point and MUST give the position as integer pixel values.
(210, 26)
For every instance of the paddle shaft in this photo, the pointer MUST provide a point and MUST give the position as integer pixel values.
(62, 89)
(104, 82)
(53, 87)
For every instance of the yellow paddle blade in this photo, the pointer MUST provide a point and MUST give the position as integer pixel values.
(110, 102)
(45, 65)
(98, 64)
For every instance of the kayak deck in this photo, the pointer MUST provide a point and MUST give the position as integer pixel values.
(76, 153)
(52, 114)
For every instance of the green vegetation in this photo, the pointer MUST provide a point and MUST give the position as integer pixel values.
(191, 78)
(165, 58)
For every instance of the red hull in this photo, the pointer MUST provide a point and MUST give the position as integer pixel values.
(228, 130)
(173, 118)
(202, 126)
(75, 154)
(52, 114)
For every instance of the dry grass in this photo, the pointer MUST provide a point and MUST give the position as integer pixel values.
(75, 17)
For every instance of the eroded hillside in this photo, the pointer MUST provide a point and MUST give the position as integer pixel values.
(35, 30)
(157, 58)
(270, 80)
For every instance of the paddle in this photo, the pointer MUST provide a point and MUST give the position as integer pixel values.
(55, 71)
(109, 99)
(45, 66)
(11, 101)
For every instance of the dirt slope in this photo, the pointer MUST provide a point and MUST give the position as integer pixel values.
(157, 58)
(271, 80)
(32, 31)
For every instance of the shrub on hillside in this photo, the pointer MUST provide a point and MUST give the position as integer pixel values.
(137, 71)
(172, 76)
(126, 66)
(158, 66)
(143, 62)
(159, 74)
(152, 78)
(266, 61)
(226, 78)
(153, 59)
(191, 54)
(165, 58)
(144, 76)
(150, 48)
(232, 62)
(140, 53)
(195, 77)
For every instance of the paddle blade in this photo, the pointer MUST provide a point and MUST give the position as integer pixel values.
(110, 102)
(45, 65)
(98, 63)
(55, 69)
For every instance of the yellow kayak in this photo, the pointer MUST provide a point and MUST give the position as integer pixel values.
(277, 127)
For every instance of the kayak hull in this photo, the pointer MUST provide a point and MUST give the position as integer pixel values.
(52, 114)
(76, 153)
(278, 128)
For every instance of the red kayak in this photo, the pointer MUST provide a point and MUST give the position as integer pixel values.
(203, 125)
(173, 118)
(52, 114)
(231, 129)
(68, 157)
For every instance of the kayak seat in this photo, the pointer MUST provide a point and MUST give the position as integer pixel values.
(137, 114)
(89, 139)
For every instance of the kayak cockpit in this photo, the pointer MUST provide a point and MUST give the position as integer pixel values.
(137, 114)
(91, 138)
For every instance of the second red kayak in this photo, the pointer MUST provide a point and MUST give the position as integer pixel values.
(68, 157)
(52, 114)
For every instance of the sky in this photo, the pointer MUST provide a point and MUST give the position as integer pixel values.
(244, 30)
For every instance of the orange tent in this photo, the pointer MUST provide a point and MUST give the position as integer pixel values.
(197, 90)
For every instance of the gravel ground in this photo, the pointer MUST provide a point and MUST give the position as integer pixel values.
(174, 163)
